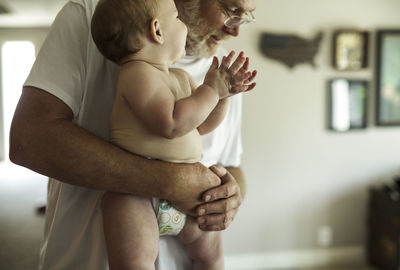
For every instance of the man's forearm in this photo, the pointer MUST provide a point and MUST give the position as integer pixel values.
(44, 139)
(66, 152)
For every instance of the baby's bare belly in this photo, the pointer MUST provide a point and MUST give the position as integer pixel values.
(185, 149)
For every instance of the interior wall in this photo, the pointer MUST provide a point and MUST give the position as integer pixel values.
(300, 175)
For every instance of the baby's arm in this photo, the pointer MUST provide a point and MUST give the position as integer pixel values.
(240, 80)
(151, 100)
(215, 118)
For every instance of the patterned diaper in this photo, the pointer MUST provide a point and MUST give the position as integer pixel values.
(170, 221)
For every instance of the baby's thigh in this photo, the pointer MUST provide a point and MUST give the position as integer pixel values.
(130, 217)
(190, 232)
(201, 245)
(130, 230)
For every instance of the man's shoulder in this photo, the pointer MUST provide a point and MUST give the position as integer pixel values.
(74, 11)
(88, 5)
(85, 2)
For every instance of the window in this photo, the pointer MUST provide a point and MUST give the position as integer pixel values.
(17, 58)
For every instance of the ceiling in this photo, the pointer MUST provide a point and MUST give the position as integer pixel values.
(28, 13)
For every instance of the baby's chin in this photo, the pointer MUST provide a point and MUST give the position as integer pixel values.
(183, 54)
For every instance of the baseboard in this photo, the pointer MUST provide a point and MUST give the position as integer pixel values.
(299, 259)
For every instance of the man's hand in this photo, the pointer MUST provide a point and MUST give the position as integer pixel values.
(186, 188)
(223, 202)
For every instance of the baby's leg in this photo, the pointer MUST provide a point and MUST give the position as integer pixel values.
(204, 248)
(131, 231)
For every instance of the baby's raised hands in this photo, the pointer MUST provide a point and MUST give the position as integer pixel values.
(230, 78)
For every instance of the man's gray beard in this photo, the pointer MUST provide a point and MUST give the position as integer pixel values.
(196, 41)
(197, 46)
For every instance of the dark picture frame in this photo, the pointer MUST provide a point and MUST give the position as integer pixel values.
(350, 50)
(388, 78)
(348, 104)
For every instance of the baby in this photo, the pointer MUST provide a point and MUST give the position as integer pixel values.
(159, 113)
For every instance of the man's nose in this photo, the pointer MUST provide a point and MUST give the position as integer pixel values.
(234, 31)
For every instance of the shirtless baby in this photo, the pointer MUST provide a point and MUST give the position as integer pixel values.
(159, 113)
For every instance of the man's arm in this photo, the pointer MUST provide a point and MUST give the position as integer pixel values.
(45, 139)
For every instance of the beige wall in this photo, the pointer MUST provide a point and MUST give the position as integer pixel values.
(300, 175)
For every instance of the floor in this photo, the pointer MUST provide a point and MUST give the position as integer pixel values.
(21, 226)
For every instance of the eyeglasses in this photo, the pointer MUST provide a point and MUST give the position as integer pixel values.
(233, 20)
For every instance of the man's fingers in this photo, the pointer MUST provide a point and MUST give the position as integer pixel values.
(220, 206)
(219, 170)
(228, 186)
(216, 222)
(221, 192)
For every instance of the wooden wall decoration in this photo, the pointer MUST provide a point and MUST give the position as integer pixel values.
(289, 49)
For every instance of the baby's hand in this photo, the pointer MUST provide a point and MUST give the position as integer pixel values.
(230, 79)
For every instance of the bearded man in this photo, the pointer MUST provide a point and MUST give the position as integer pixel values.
(60, 129)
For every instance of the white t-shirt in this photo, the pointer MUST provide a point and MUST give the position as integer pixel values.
(70, 67)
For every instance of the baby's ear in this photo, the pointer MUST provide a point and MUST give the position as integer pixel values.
(155, 31)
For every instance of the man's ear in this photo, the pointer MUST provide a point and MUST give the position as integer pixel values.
(155, 31)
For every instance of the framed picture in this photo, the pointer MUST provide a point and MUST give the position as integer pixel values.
(350, 50)
(388, 78)
(348, 101)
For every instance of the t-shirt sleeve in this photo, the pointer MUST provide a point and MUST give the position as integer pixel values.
(61, 63)
(232, 153)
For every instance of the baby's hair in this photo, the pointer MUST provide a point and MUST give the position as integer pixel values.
(119, 26)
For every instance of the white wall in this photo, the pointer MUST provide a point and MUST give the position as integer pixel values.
(300, 175)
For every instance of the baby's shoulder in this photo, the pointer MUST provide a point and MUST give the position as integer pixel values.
(137, 69)
(138, 73)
